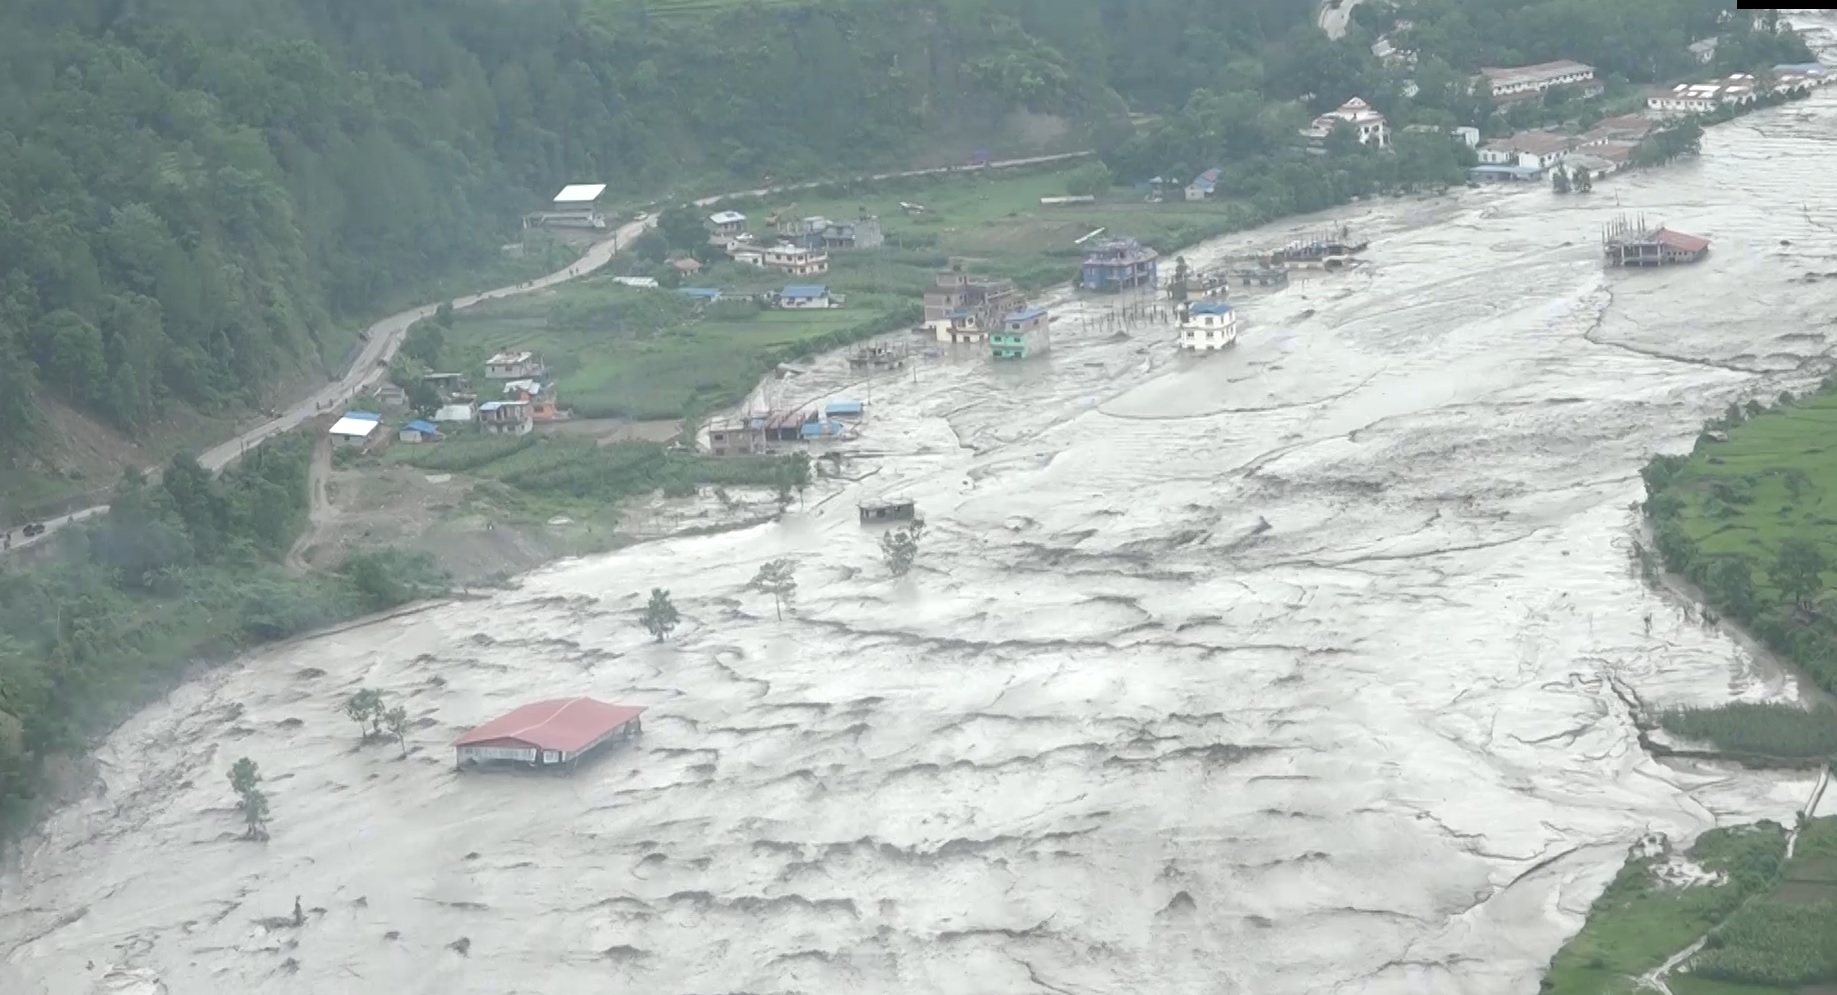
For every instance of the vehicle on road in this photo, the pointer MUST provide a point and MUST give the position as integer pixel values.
(34, 529)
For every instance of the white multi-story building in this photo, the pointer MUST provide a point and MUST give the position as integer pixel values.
(1208, 326)
(1523, 82)
(1371, 127)
(1702, 98)
(795, 260)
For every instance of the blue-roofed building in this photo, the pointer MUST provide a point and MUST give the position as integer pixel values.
(363, 416)
(1207, 325)
(707, 295)
(822, 428)
(844, 409)
(418, 431)
(1203, 186)
(1023, 333)
(800, 296)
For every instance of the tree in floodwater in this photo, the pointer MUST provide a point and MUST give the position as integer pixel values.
(1559, 180)
(776, 579)
(900, 548)
(1798, 571)
(1177, 290)
(396, 721)
(1584, 181)
(660, 615)
(251, 801)
(366, 709)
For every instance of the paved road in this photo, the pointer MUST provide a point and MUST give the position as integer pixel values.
(383, 338)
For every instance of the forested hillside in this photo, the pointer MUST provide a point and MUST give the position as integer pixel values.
(191, 191)
(195, 193)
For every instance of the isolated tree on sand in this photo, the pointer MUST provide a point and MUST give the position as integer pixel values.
(366, 709)
(1799, 570)
(1177, 289)
(660, 616)
(396, 721)
(775, 578)
(245, 780)
(900, 548)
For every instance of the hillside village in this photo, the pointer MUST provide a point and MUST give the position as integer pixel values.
(969, 312)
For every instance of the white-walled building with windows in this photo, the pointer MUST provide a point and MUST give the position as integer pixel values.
(1207, 326)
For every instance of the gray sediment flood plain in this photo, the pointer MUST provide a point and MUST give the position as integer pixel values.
(1112, 735)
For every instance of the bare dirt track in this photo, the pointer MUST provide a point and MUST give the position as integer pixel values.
(1113, 735)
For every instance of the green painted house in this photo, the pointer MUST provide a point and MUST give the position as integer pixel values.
(1022, 334)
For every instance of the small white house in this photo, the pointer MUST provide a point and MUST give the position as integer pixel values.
(356, 428)
(1208, 326)
(418, 431)
(725, 225)
(513, 366)
(804, 296)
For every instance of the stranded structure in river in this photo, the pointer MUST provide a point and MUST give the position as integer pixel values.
(1631, 243)
(549, 733)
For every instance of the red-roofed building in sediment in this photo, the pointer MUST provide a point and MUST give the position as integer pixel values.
(542, 733)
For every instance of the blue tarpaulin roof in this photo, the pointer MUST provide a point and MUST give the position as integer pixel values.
(1027, 314)
(424, 427)
(843, 407)
(363, 416)
(813, 429)
(1211, 307)
(805, 291)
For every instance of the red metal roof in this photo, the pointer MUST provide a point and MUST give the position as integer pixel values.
(1680, 241)
(565, 724)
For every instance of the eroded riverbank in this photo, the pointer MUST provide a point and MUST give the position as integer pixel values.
(1110, 735)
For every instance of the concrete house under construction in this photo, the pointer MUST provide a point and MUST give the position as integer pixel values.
(962, 308)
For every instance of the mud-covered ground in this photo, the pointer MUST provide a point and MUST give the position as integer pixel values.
(1112, 735)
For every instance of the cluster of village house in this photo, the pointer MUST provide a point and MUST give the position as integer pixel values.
(524, 397)
(1530, 155)
(964, 308)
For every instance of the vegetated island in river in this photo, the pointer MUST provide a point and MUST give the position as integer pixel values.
(1747, 518)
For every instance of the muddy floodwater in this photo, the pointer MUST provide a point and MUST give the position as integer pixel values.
(1114, 734)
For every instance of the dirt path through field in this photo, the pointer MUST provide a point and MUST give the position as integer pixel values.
(319, 511)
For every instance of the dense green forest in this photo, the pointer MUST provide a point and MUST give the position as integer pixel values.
(184, 568)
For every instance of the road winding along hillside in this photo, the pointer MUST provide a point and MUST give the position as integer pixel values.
(383, 338)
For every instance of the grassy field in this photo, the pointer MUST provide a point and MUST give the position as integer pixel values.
(615, 351)
(1642, 919)
(1775, 477)
(1774, 927)
(997, 217)
(1750, 516)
